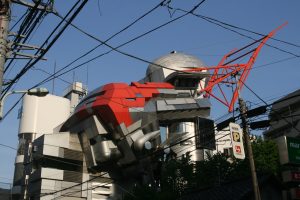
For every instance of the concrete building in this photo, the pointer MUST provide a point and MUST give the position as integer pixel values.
(38, 116)
(285, 117)
(284, 130)
(48, 161)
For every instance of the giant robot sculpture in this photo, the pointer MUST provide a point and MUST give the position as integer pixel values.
(119, 124)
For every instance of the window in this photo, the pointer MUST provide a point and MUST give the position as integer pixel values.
(177, 128)
(228, 151)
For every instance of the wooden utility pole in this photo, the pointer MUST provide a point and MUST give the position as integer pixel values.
(4, 23)
(243, 113)
(243, 110)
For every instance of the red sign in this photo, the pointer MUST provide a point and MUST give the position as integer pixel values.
(296, 176)
(238, 149)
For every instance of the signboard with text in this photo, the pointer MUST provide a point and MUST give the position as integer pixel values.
(293, 146)
(236, 135)
(289, 150)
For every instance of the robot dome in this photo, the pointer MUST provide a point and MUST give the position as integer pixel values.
(173, 60)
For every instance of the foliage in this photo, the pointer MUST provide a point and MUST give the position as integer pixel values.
(266, 156)
(179, 175)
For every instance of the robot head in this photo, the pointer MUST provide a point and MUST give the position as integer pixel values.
(174, 60)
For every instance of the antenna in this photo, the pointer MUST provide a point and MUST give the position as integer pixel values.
(87, 75)
(73, 76)
(53, 83)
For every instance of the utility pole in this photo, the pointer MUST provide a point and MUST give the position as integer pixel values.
(4, 23)
(243, 112)
(4, 29)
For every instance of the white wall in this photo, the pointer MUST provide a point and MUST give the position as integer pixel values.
(40, 115)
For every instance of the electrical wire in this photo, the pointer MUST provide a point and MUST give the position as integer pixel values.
(53, 76)
(275, 62)
(18, 21)
(23, 71)
(111, 37)
(122, 30)
(250, 31)
(115, 48)
(7, 146)
(139, 158)
(30, 64)
(223, 25)
(5, 178)
(276, 112)
(23, 27)
(146, 156)
(45, 72)
(169, 147)
(85, 181)
(28, 37)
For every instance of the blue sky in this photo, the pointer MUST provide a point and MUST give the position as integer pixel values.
(189, 35)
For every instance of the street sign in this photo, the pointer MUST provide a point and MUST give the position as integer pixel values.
(236, 135)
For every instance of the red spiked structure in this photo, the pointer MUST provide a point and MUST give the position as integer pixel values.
(225, 71)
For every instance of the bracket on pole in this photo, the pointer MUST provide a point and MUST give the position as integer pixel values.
(48, 8)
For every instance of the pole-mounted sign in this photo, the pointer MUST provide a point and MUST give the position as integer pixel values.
(236, 135)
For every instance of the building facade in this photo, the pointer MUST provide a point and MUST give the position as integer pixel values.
(285, 117)
(285, 131)
(72, 150)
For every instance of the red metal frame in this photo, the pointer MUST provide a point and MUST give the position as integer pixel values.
(223, 72)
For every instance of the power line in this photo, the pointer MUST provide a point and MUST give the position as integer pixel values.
(5, 178)
(143, 157)
(116, 48)
(101, 43)
(276, 112)
(94, 177)
(31, 16)
(30, 64)
(223, 25)
(275, 62)
(111, 37)
(45, 72)
(7, 146)
(250, 31)
(27, 66)
(28, 37)
(18, 21)
(153, 152)
(56, 76)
